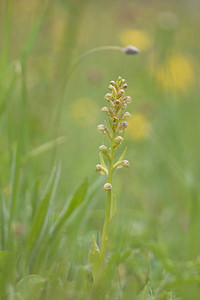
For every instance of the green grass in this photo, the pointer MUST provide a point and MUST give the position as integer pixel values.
(51, 199)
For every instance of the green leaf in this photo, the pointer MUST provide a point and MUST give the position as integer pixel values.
(3, 222)
(160, 252)
(144, 294)
(29, 287)
(15, 174)
(95, 259)
(76, 200)
(123, 155)
(2, 258)
(78, 220)
(42, 212)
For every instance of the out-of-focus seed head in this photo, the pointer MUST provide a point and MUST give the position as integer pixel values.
(130, 50)
(107, 186)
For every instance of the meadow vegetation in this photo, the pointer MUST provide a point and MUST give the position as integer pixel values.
(52, 201)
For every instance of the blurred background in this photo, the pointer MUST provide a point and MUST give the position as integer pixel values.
(44, 98)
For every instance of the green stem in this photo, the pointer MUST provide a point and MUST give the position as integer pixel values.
(108, 201)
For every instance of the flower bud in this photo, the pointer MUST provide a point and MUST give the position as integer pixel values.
(105, 109)
(101, 169)
(117, 102)
(124, 86)
(120, 92)
(101, 127)
(123, 80)
(123, 126)
(112, 88)
(107, 186)
(119, 78)
(108, 96)
(113, 82)
(104, 150)
(130, 50)
(126, 115)
(125, 163)
(127, 99)
(115, 119)
(117, 141)
(121, 164)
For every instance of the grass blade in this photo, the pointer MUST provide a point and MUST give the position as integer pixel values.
(15, 174)
(76, 200)
(45, 147)
(41, 215)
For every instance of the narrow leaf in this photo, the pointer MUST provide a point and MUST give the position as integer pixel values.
(95, 259)
(45, 147)
(123, 155)
(29, 287)
(76, 200)
(43, 208)
(3, 222)
(14, 186)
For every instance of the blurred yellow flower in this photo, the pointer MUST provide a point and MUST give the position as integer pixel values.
(176, 74)
(138, 38)
(58, 33)
(84, 112)
(138, 127)
(7, 190)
